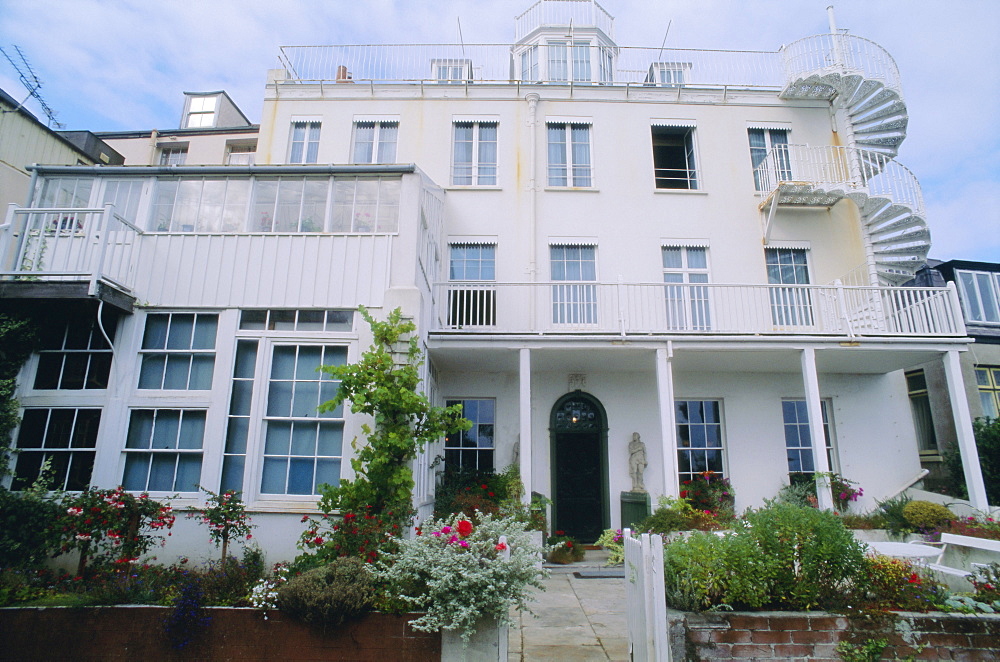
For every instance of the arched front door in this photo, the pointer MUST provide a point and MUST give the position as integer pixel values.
(579, 450)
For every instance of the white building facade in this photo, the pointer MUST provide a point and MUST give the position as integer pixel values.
(701, 247)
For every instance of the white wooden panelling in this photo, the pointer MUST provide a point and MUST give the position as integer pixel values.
(287, 271)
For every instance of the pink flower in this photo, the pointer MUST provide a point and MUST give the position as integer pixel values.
(452, 539)
(445, 529)
(463, 544)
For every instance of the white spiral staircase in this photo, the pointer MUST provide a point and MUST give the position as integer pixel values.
(859, 77)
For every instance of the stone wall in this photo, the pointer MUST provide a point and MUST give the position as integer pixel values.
(137, 633)
(815, 635)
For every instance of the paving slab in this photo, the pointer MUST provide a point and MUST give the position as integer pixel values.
(579, 617)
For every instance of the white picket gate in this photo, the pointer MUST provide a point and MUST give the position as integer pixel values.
(645, 602)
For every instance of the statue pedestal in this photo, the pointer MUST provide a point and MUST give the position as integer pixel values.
(635, 508)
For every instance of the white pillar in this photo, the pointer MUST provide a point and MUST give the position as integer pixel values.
(524, 416)
(668, 428)
(814, 407)
(963, 430)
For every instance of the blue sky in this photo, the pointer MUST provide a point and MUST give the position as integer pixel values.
(123, 64)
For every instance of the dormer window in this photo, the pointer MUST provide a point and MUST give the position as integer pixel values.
(668, 74)
(569, 60)
(981, 295)
(452, 71)
(201, 112)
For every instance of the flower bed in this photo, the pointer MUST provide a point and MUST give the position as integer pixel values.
(137, 633)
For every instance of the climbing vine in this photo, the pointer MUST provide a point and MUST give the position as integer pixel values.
(383, 384)
(18, 339)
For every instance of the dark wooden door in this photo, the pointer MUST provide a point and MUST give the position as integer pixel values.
(579, 510)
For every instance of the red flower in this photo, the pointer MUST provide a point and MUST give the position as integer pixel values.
(914, 578)
(501, 546)
(491, 494)
(464, 527)
(484, 486)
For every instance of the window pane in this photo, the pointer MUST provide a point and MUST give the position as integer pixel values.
(273, 475)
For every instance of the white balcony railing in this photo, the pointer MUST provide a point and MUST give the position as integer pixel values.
(700, 309)
(67, 244)
(579, 13)
(846, 169)
(500, 63)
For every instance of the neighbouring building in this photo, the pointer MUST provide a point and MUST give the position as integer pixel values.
(978, 287)
(702, 247)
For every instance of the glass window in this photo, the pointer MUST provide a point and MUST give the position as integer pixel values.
(173, 155)
(687, 304)
(699, 438)
(981, 295)
(569, 155)
(74, 356)
(472, 305)
(365, 205)
(238, 427)
(790, 306)
(472, 448)
(200, 205)
(283, 319)
(452, 71)
(474, 156)
(65, 438)
(529, 64)
(574, 303)
(304, 144)
(568, 60)
(668, 74)
(290, 204)
(302, 446)
(769, 157)
(66, 192)
(375, 142)
(124, 194)
(673, 158)
(920, 406)
(178, 351)
(201, 112)
(163, 450)
(798, 440)
(988, 381)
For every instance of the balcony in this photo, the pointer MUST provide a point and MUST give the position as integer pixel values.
(627, 309)
(68, 253)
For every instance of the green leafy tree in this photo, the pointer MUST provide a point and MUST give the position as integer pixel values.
(987, 434)
(383, 384)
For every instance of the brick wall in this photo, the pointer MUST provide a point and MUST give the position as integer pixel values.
(815, 635)
(137, 633)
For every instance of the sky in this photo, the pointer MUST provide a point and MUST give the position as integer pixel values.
(108, 65)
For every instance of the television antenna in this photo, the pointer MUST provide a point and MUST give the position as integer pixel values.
(31, 83)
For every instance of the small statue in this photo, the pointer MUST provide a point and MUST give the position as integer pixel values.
(637, 462)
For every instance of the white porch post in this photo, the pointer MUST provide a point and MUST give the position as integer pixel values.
(524, 416)
(963, 431)
(814, 408)
(668, 429)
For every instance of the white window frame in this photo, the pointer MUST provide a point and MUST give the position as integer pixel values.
(176, 450)
(692, 449)
(305, 150)
(202, 108)
(574, 300)
(72, 450)
(687, 132)
(382, 138)
(471, 304)
(802, 427)
(452, 71)
(476, 171)
(577, 69)
(988, 384)
(688, 305)
(977, 288)
(575, 172)
(668, 74)
(173, 154)
(478, 450)
(920, 407)
(530, 71)
(188, 354)
(791, 306)
(771, 163)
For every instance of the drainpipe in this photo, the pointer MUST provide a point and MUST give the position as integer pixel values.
(153, 135)
(532, 99)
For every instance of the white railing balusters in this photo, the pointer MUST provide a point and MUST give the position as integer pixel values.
(694, 308)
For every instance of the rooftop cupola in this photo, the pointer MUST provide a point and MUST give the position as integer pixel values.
(565, 40)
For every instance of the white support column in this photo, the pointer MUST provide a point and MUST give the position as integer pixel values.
(668, 428)
(814, 407)
(963, 430)
(524, 416)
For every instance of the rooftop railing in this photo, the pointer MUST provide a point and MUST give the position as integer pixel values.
(501, 63)
(842, 53)
(694, 309)
(579, 13)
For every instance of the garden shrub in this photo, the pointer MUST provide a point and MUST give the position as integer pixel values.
(710, 492)
(890, 583)
(985, 527)
(676, 515)
(364, 535)
(330, 595)
(986, 582)
(781, 556)
(926, 515)
(464, 490)
(987, 434)
(456, 572)
(614, 544)
(27, 537)
(892, 510)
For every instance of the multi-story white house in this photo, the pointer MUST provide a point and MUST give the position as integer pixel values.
(701, 247)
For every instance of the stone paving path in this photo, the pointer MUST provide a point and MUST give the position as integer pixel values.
(578, 619)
